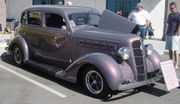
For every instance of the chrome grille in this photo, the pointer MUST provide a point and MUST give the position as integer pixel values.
(138, 56)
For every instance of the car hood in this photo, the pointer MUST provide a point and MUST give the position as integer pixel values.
(114, 22)
(112, 27)
(106, 35)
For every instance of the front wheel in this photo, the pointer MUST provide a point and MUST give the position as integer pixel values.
(17, 55)
(95, 84)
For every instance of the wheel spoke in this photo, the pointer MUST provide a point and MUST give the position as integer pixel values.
(92, 77)
(99, 82)
(97, 87)
(17, 55)
(92, 85)
(96, 77)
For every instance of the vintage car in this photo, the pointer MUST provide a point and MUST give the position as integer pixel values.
(78, 44)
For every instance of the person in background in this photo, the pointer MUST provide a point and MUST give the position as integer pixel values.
(60, 3)
(173, 34)
(142, 18)
(120, 13)
(69, 3)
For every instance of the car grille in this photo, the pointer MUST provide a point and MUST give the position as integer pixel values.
(138, 56)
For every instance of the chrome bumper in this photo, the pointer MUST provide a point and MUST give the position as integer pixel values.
(139, 84)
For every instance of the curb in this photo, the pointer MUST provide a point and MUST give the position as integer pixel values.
(165, 52)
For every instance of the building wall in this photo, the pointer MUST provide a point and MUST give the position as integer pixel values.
(15, 7)
(156, 8)
(98, 4)
(3, 13)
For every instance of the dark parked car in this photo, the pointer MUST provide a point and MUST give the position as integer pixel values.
(78, 44)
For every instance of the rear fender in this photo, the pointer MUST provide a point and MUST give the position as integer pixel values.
(21, 42)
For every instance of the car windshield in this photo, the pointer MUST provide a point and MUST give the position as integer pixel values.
(79, 19)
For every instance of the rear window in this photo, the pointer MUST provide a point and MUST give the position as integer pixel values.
(34, 18)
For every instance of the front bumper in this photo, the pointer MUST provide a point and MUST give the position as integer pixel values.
(139, 84)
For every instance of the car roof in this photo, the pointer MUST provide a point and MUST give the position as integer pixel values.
(56, 8)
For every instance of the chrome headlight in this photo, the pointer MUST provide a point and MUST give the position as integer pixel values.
(148, 49)
(124, 52)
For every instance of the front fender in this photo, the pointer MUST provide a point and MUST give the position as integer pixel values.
(21, 42)
(155, 59)
(111, 70)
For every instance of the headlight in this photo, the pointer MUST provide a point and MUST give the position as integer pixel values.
(148, 49)
(124, 52)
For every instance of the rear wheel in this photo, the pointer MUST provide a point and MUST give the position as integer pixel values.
(17, 55)
(95, 84)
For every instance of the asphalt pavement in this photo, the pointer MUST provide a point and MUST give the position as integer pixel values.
(27, 85)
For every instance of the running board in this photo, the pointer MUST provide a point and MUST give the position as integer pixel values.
(49, 69)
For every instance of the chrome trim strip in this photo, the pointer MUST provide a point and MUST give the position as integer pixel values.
(138, 84)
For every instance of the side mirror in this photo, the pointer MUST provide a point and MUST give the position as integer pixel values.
(63, 28)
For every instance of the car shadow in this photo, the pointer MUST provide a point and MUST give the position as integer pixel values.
(153, 91)
(146, 89)
(77, 87)
(125, 94)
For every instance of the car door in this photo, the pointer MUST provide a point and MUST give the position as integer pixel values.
(32, 31)
(54, 41)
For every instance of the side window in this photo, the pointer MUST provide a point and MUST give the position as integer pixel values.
(34, 18)
(23, 18)
(54, 20)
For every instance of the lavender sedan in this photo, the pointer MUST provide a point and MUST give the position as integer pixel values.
(78, 44)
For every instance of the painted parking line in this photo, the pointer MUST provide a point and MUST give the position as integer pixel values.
(34, 82)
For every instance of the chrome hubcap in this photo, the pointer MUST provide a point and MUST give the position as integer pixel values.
(94, 82)
(17, 55)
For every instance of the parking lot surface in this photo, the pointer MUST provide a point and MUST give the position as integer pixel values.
(27, 85)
